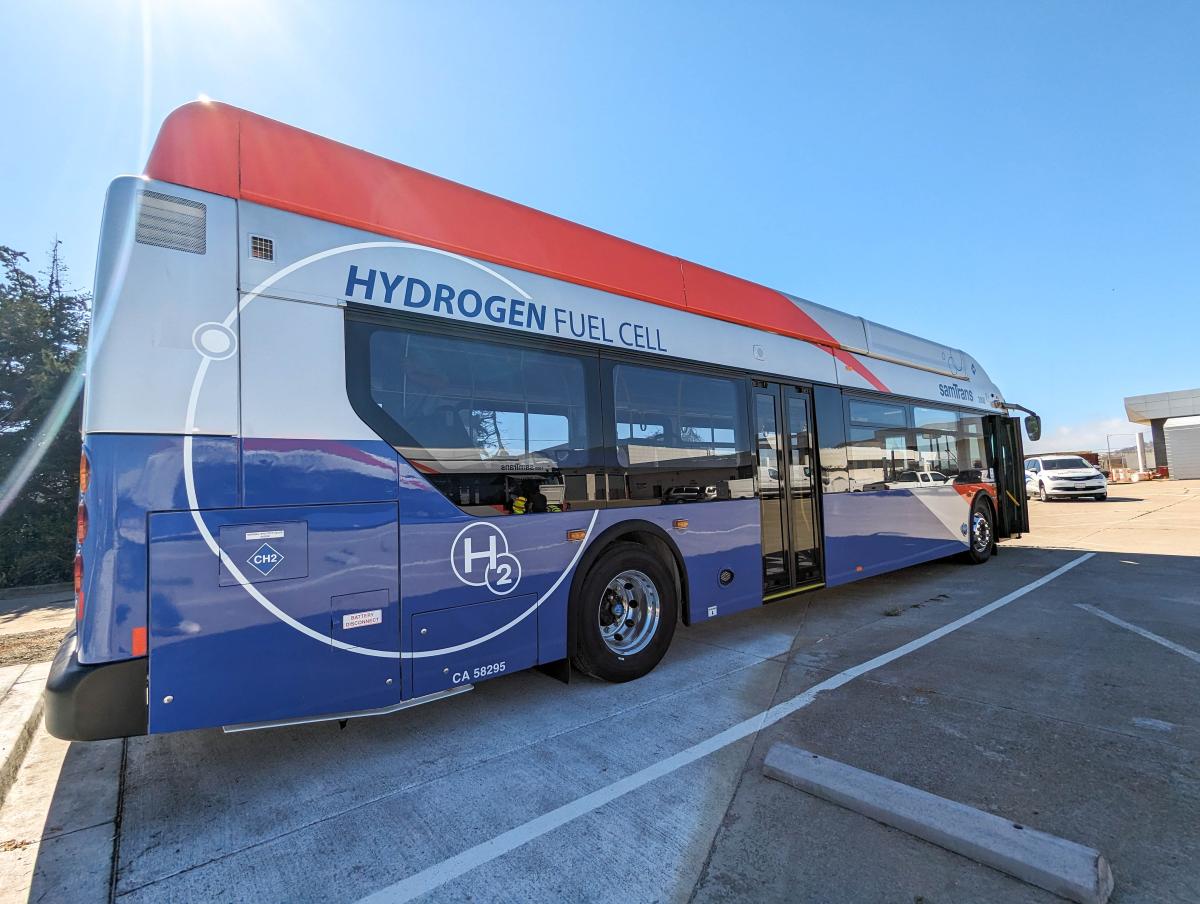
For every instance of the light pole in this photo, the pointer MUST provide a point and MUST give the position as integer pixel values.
(1108, 441)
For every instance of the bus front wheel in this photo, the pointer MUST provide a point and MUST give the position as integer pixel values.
(982, 531)
(624, 614)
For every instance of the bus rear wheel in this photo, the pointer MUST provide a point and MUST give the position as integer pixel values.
(624, 614)
(982, 534)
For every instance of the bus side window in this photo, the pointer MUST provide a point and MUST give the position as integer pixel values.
(892, 442)
(679, 436)
(497, 428)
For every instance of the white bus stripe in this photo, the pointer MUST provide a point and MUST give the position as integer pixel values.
(437, 875)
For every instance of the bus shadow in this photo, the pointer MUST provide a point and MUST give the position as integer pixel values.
(75, 842)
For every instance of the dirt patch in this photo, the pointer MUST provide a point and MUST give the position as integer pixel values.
(30, 646)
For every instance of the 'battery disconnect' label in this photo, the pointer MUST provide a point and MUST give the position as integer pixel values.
(362, 619)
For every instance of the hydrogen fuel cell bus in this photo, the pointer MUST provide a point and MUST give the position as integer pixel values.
(358, 438)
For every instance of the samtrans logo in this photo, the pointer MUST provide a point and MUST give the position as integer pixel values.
(954, 391)
(381, 287)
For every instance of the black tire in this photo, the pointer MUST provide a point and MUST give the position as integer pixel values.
(981, 535)
(1042, 494)
(596, 602)
(1101, 498)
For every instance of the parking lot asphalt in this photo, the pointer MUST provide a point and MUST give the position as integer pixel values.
(530, 790)
(1160, 516)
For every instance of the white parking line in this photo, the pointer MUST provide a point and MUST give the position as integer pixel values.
(1149, 635)
(437, 875)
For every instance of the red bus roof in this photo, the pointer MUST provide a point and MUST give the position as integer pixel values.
(221, 149)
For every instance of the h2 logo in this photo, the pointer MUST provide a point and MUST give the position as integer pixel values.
(480, 558)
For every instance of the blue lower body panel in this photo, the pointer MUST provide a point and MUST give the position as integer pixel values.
(131, 476)
(528, 557)
(287, 611)
(511, 643)
(308, 626)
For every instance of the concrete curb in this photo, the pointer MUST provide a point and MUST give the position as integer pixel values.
(1063, 867)
(20, 715)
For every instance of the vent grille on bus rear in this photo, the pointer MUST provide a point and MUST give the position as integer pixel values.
(170, 222)
(262, 248)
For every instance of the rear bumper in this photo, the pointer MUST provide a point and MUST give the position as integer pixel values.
(94, 702)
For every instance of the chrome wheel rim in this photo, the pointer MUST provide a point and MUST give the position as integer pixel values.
(981, 532)
(629, 613)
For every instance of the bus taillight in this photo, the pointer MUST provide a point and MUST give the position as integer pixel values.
(78, 587)
(81, 522)
(85, 471)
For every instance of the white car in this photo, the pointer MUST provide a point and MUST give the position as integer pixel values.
(1062, 477)
(922, 477)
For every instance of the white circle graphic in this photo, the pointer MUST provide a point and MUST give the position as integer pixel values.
(214, 340)
(503, 577)
(205, 349)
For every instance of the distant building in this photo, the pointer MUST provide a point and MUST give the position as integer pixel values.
(1174, 419)
(1127, 457)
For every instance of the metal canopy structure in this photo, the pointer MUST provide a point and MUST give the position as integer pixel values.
(1155, 410)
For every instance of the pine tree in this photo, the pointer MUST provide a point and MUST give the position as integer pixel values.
(42, 330)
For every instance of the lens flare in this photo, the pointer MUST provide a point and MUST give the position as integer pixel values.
(28, 463)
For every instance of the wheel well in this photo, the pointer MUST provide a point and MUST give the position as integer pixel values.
(668, 552)
(653, 538)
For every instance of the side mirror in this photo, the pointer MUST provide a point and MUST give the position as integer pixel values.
(1033, 427)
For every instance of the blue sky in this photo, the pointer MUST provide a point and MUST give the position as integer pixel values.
(1018, 179)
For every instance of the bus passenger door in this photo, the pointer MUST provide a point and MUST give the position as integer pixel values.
(1007, 455)
(787, 481)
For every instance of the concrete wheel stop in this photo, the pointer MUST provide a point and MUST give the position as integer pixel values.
(1070, 870)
